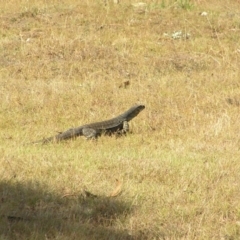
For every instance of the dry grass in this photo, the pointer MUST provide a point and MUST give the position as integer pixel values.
(64, 63)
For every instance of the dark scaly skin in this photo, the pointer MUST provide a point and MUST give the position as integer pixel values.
(109, 126)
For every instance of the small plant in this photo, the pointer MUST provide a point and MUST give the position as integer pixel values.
(155, 6)
(163, 4)
(185, 4)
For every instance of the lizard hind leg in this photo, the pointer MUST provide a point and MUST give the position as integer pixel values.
(89, 133)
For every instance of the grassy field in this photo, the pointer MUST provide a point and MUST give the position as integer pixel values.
(176, 175)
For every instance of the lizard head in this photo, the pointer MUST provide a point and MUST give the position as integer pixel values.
(134, 111)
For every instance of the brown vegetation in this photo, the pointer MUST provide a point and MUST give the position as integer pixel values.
(67, 63)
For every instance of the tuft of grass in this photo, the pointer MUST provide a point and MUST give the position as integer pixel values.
(185, 4)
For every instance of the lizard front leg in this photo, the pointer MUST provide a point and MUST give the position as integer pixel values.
(125, 127)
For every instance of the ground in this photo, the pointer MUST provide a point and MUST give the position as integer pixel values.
(67, 63)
